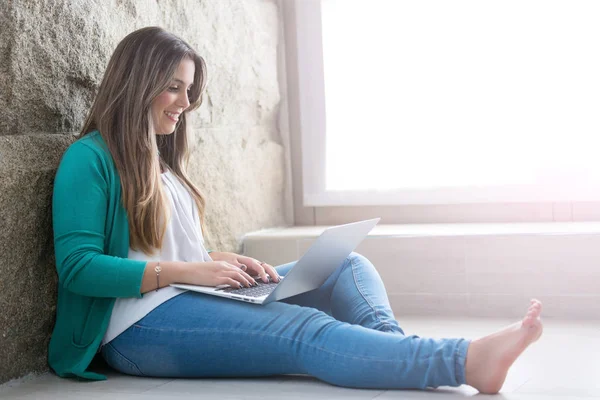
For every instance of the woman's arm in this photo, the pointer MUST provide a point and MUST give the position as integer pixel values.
(80, 201)
(212, 273)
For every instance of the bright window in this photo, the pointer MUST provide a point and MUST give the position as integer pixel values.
(454, 101)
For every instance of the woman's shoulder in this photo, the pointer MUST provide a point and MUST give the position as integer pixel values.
(92, 141)
(90, 147)
(89, 150)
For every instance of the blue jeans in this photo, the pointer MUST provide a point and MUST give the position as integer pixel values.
(343, 333)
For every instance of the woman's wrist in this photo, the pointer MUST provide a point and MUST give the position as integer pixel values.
(170, 272)
(174, 271)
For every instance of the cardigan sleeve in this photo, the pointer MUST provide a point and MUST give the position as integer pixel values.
(79, 210)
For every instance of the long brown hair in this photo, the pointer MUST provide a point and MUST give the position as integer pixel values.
(140, 69)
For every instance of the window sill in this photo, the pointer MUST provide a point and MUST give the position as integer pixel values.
(469, 269)
(456, 229)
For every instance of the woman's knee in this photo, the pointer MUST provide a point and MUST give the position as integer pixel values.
(357, 258)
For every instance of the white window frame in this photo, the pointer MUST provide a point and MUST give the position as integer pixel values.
(513, 203)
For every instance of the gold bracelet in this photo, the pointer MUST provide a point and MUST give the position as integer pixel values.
(157, 269)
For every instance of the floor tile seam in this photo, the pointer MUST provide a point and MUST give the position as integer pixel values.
(521, 385)
(150, 391)
(41, 388)
(157, 386)
(379, 394)
(44, 388)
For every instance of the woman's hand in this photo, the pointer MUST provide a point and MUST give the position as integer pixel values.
(248, 264)
(215, 273)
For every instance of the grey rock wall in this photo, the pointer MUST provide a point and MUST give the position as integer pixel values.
(28, 279)
(52, 57)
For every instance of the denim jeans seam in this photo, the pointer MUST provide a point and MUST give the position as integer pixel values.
(456, 364)
(259, 333)
(459, 362)
(358, 287)
(125, 359)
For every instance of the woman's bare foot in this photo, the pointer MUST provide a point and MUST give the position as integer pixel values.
(489, 358)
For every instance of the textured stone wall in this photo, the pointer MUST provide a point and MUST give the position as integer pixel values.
(52, 57)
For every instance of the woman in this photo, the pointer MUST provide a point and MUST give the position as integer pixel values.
(128, 222)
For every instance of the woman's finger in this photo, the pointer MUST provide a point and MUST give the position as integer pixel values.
(247, 277)
(231, 282)
(239, 267)
(261, 271)
(271, 271)
(230, 268)
(239, 277)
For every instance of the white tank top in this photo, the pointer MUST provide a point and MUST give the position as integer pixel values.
(183, 241)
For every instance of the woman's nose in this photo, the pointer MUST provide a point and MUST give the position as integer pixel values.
(184, 101)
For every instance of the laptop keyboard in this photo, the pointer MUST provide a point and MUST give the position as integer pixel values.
(262, 289)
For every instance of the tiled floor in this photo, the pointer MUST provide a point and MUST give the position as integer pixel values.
(565, 364)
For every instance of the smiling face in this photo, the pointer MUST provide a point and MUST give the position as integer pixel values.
(168, 106)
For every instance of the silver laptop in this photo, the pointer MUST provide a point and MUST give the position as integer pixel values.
(325, 255)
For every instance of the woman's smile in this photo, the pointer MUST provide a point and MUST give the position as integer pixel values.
(172, 116)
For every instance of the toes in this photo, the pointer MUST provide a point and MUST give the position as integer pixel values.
(534, 308)
(533, 312)
(535, 305)
(531, 317)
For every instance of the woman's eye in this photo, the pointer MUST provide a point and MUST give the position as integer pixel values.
(174, 88)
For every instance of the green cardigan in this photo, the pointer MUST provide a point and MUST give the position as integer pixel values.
(91, 242)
